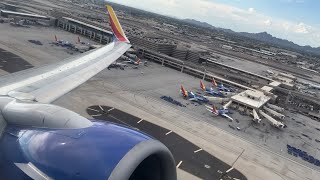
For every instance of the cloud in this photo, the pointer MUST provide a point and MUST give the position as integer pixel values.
(301, 28)
(251, 10)
(268, 22)
(286, 26)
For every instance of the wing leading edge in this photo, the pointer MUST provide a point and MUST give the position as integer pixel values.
(227, 116)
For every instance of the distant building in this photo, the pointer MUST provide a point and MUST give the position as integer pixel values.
(169, 25)
(274, 84)
(287, 80)
(226, 47)
(263, 52)
(290, 76)
(251, 99)
(222, 39)
(157, 44)
(93, 32)
(9, 7)
(287, 54)
(12, 14)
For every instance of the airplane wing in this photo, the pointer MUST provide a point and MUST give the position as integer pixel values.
(36, 139)
(209, 110)
(193, 99)
(48, 83)
(227, 116)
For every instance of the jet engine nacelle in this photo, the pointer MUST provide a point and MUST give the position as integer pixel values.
(90, 150)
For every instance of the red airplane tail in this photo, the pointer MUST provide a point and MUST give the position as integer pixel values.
(202, 86)
(214, 83)
(183, 91)
(138, 61)
(115, 26)
(214, 109)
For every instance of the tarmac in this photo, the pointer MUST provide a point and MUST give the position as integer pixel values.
(157, 81)
(16, 41)
(138, 92)
(11, 63)
(188, 156)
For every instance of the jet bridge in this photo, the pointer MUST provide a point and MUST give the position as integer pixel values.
(256, 117)
(274, 113)
(276, 108)
(274, 122)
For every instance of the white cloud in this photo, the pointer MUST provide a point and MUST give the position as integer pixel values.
(227, 16)
(251, 10)
(285, 26)
(301, 28)
(268, 22)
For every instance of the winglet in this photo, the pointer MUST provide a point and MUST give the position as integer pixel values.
(184, 92)
(214, 82)
(115, 26)
(202, 86)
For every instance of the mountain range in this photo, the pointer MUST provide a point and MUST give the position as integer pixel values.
(262, 36)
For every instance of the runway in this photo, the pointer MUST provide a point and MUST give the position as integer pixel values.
(188, 156)
(11, 63)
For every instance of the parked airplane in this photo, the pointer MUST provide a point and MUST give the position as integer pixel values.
(62, 43)
(129, 60)
(39, 140)
(221, 112)
(193, 97)
(82, 42)
(221, 87)
(217, 100)
(135, 62)
(210, 90)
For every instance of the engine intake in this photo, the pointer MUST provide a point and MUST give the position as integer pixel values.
(147, 160)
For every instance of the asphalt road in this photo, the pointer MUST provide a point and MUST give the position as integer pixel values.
(12, 63)
(188, 156)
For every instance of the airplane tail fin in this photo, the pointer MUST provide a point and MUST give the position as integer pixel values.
(55, 38)
(214, 82)
(79, 39)
(202, 86)
(138, 61)
(115, 26)
(183, 91)
(214, 109)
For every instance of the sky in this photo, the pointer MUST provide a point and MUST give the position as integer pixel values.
(295, 20)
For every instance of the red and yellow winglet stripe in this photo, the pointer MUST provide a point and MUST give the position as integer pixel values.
(115, 25)
(214, 82)
(202, 86)
(183, 91)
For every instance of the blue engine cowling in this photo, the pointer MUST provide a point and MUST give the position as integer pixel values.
(101, 151)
